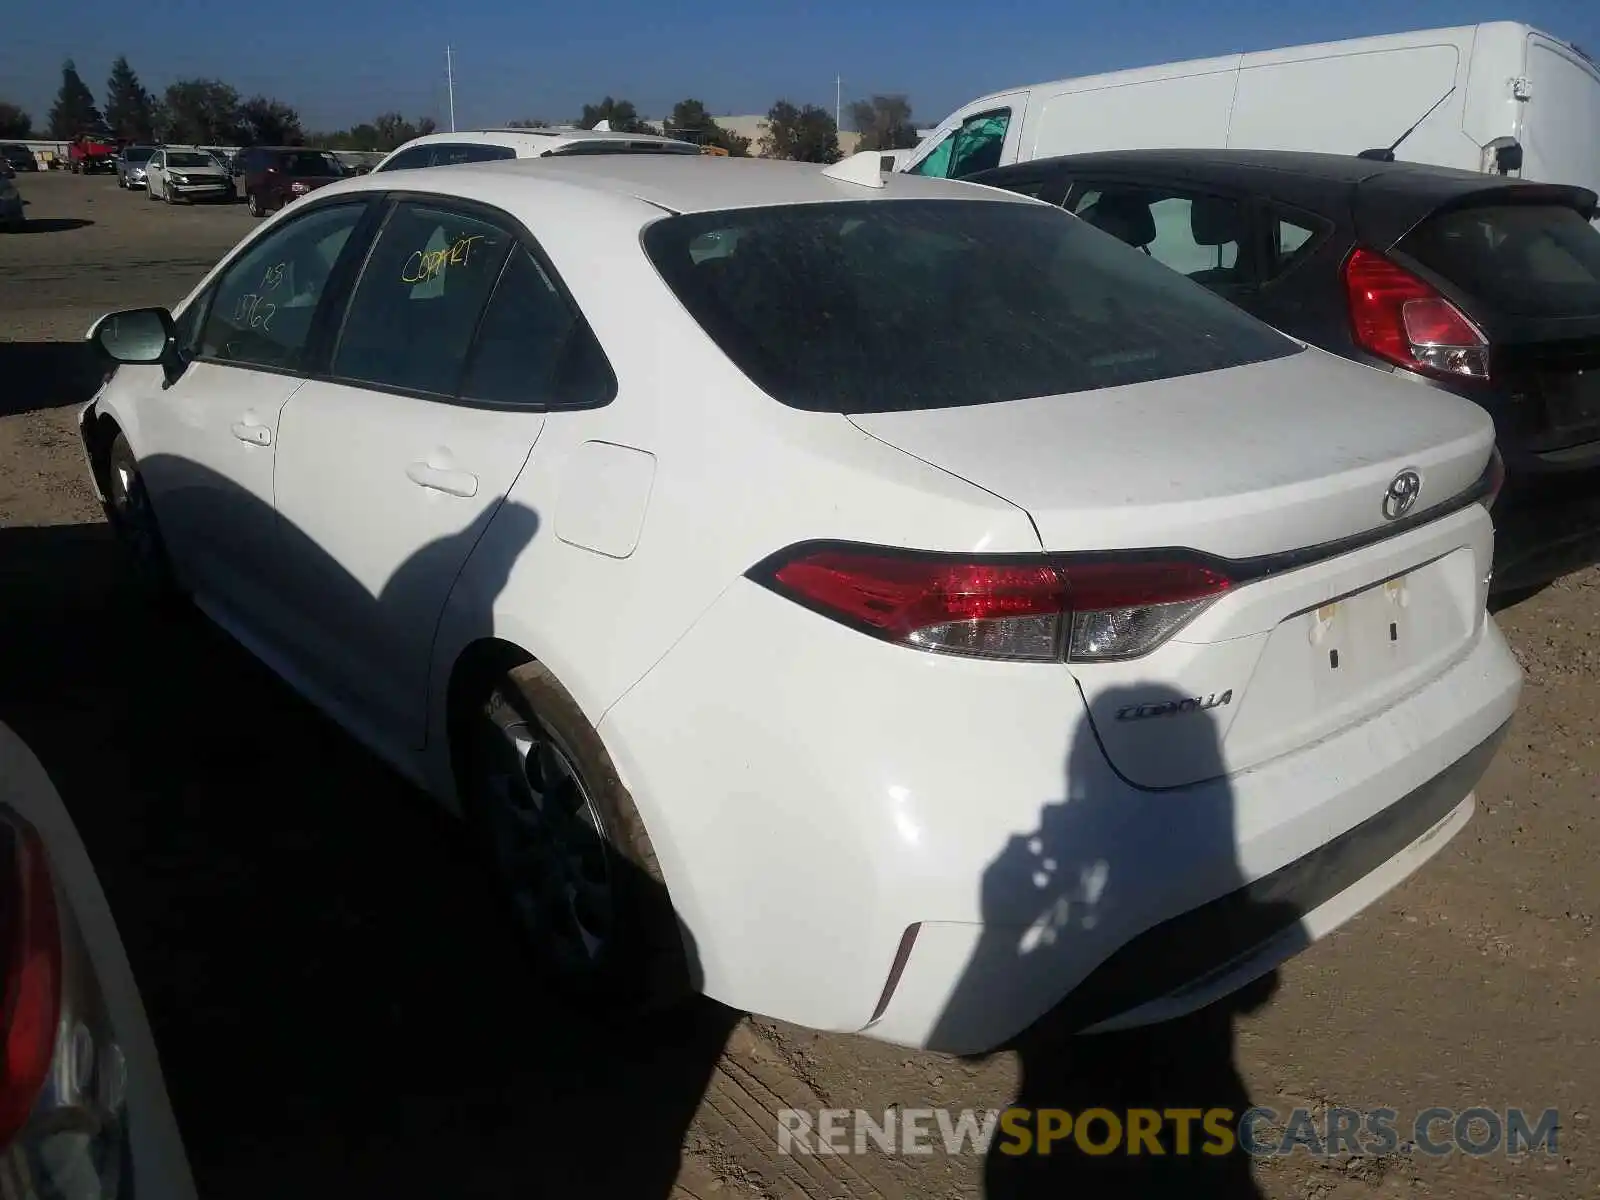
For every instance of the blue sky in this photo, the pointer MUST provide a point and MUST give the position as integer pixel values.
(342, 61)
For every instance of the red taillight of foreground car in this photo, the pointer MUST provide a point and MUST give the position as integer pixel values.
(30, 990)
(1404, 320)
(1083, 610)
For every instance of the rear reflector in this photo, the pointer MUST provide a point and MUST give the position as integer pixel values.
(1404, 320)
(30, 989)
(1083, 610)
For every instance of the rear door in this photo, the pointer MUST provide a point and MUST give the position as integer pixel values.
(457, 340)
(1561, 123)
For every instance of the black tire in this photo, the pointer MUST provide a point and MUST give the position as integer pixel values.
(133, 520)
(545, 869)
(254, 202)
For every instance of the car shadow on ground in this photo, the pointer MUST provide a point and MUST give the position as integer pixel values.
(1097, 881)
(36, 375)
(340, 1007)
(51, 224)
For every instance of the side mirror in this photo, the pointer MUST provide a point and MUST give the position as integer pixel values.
(136, 335)
(1508, 158)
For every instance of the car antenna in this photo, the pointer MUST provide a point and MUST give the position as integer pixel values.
(1388, 155)
(865, 167)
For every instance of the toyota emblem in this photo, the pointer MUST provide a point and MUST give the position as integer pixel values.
(1402, 495)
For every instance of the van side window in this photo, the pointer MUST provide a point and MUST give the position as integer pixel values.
(975, 146)
(417, 156)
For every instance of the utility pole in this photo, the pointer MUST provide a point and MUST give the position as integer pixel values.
(450, 85)
(838, 99)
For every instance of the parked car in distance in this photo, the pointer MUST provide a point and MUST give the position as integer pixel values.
(485, 145)
(84, 1110)
(1485, 287)
(11, 214)
(268, 177)
(19, 157)
(131, 163)
(92, 154)
(1497, 98)
(184, 176)
(1019, 645)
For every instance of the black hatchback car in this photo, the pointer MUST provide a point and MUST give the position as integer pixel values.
(1484, 285)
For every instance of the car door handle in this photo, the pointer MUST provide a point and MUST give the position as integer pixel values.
(249, 431)
(455, 483)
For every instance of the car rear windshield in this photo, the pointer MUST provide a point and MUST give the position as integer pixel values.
(611, 146)
(1527, 260)
(886, 305)
(309, 162)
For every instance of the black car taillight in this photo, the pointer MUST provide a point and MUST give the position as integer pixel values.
(30, 989)
(1077, 609)
(1406, 321)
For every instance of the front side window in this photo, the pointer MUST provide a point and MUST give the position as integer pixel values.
(447, 155)
(533, 347)
(876, 306)
(975, 146)
(262, 308)
(936, 165)
(413, 314)
(158, 159)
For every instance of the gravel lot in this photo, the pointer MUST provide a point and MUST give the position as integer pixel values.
(340, 1014)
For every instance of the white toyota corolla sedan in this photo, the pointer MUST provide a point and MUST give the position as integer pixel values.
(883, 603)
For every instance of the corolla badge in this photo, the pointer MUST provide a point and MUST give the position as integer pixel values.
(1401, 497)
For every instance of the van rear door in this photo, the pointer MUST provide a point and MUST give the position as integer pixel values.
(1561, 124)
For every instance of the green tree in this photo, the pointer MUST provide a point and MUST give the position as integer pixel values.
(691, 122)
(390, 130)
(884, 123)
(806, 134)
(129, 108)
(14, 123)
(74, 111)
(202, 112)
(268, 122)
(623, 116)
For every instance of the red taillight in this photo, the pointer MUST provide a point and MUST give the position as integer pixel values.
(30, 950)
(1404, 320)
(1080, 610)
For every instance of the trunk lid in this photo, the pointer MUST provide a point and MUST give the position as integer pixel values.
(1267, 463)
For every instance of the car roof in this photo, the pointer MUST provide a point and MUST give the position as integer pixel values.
(676, 183)
(538, 141)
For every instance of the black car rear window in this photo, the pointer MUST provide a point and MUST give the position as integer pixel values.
(1528, 260)
(886, 305)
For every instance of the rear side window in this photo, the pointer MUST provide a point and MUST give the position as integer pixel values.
(446, 155)
(533, 347)
(412, 317)
(877, 306)
(610, 146)
(1529, 260)
(408, 160)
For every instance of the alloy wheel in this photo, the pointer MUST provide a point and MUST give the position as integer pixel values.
(547, 839)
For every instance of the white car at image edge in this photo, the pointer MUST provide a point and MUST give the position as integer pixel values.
(490, 145)
(1093, 658)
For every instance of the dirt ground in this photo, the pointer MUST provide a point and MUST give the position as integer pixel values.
(340, 1014)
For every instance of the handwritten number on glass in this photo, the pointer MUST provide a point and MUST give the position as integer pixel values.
(252, 313)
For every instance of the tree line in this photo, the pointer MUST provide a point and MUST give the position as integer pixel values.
(211, 112)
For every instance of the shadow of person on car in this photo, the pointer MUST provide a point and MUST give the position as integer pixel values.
(340, 1004)
(38, 375)
(1113, 896)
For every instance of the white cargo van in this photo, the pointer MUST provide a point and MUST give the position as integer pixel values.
(1499, 97)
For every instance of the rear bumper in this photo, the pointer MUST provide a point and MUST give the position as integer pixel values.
(936, 852)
